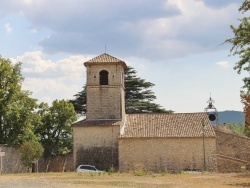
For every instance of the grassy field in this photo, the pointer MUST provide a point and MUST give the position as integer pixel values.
(128, 180)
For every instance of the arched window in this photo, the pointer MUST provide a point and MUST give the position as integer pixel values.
(104, 77)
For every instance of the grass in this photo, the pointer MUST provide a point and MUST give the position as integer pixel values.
(122, 180)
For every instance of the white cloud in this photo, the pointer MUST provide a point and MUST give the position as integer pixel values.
(152, 29)
(224, 64)
(50, 80)
(33, 30)
(28, 2)
(8, 28)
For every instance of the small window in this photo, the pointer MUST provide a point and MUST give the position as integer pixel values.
(104, 77)
(92, 168)
(83, 167)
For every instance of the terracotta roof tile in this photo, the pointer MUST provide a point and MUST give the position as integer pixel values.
(166, 125)
(105, 59)
(84, 123)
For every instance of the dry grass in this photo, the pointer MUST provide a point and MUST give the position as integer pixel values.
(128, 180)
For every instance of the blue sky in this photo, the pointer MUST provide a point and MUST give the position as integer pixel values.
(175, 44)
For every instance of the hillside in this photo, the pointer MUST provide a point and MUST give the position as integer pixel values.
(231, 117)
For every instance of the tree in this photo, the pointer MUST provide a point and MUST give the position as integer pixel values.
(17, 109)
(246, 101)
(138, 96)
(237, 127)
(79, 102)
(240, 46)
(240, 43)
(30, 152)
(54, 129)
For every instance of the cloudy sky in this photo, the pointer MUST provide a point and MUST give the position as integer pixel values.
(175, 44)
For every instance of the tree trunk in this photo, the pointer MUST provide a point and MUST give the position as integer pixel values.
(64, 163)
(47, 164)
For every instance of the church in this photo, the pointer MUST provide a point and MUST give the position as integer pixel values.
(109, 137)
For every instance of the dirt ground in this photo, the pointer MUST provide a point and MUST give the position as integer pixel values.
(100, 180)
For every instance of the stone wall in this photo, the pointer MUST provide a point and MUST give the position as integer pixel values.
(60, 163)
(233, 146)
(11, 161)
(96, 145)
(166, 154)
(103, 158)
(116, 73)
(228, 165)
(104, 102)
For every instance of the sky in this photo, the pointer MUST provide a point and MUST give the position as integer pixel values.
(175, 44)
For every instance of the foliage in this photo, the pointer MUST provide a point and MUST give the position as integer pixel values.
(17, 109)
(237, 127)
(30, 152)
(246, 102)
(111, 170)
(138, 96)
(54, 129)
(240, 43)
(79, 102)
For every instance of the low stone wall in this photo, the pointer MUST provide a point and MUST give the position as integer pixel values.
(11, 162)
(60, 163)
(228, 165)
(232, 147)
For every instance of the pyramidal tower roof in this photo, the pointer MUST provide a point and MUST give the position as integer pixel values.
(105, 59)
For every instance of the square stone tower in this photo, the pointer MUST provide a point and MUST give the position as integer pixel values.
(105, 88)
(96, 137)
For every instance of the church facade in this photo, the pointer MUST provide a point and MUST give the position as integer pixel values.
(154, 142)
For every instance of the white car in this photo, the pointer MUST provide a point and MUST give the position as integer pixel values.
(87, 168)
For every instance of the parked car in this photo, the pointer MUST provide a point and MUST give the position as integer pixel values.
(87, 168)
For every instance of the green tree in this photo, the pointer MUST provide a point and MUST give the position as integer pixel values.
(30, 152)
(240, 47)
(237, 127)
(79, 102)
(240, 43)
(17, 109)
(54, 129)
(139, 98)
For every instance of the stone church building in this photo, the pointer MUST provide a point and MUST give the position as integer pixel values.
(154, 142)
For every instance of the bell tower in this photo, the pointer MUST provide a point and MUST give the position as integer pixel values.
(105, 88)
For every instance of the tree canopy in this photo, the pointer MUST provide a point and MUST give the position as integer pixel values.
(17, 109)
(240, 47)
(240, 43)
(55, 129)
(30, 152)
(139, 98)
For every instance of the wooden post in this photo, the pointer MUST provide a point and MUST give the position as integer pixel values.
(2, 154)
